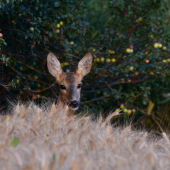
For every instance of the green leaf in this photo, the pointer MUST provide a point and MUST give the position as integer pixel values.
(14, 142)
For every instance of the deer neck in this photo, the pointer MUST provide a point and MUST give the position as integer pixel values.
(61, 106)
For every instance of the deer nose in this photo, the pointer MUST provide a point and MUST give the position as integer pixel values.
(74, 104)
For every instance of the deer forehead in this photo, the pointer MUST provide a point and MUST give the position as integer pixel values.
(69, 79)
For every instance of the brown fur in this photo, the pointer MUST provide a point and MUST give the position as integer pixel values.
(69, 80)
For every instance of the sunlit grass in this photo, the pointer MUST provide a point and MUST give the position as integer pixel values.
(37, 137)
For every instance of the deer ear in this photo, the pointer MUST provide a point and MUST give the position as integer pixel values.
(53, 65)
(84, 65)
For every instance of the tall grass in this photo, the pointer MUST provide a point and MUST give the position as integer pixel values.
(49, 140)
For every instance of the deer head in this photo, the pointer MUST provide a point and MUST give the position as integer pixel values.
(70, 83)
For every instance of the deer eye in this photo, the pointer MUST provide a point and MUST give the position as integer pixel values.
(79, 86)
(62, 87)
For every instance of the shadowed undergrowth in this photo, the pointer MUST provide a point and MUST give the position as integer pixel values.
(41, 137)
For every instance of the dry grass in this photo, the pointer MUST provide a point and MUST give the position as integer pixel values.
(49, 140)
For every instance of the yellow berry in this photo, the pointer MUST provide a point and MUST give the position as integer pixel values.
(71, 43)
(38, 85)
(111, 52)
(139, 19)
(133, 110)
(151, 73)
(129, 80)
(108, 60)
(97, 59)
(57, 31)
(117, 110)
(164, 48)
(168, 60)
(58, 25)
(94, 49)
(17, 81)
(129, 111)
(131, 50)
(156, 45)
(125, 110)
(36, 77)
(102, 59)
(164, 61)
(67, 70)
(128, 50)
(136, 74)
(160, 45)
(62, 64)
(131, 68)
(107, 51)
(61, 23)
(13, 22)
(31, 28)
(113, 60)
(122, 80)
(65, 64)
(122, 106)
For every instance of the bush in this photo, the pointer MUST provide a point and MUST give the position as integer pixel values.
(128, 39)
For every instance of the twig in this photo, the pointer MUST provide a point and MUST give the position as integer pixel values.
(5, 86)
(99, 98)
(35, 91)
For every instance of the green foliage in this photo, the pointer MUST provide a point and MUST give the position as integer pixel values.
(14, 142)
(127, 68)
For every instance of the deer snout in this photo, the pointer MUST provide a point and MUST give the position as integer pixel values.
(74, 104)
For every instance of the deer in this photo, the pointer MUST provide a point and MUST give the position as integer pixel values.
(69, 82)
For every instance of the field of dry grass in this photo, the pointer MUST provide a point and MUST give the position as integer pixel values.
(49, 140)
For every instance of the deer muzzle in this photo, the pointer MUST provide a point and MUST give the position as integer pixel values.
(74, 104)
